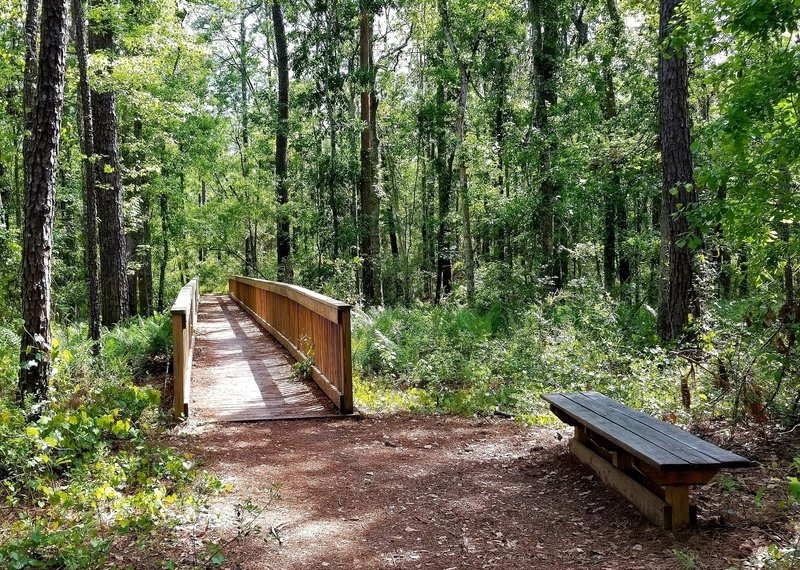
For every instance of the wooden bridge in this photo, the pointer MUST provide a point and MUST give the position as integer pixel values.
(234, 354)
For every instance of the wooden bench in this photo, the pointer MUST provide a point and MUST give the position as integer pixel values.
(650, 462)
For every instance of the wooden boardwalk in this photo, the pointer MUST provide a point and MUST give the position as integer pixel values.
(241, 373)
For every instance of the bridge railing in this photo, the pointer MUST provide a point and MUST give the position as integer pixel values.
(314, 328)
(184, 319)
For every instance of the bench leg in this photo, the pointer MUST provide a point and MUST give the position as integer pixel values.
(621, 460)
(678, 498)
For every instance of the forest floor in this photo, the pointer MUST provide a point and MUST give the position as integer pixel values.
(407, 491)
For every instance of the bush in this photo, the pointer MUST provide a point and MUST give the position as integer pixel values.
(89, 470)
(479, 360)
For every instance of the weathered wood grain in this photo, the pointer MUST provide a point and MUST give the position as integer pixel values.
(656, 510)
(184, 319)
(652, 441)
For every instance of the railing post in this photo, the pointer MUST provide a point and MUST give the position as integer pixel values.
(184, 319)
(345, 353)
(178, 363)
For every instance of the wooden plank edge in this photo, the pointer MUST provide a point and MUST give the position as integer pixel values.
(177, 365)
(181, 304)
(322, 381)
(355, 415)
(278, 286)
(671, 465)
(652, 507)
(568, 419)
(187, 381)
(322, 305)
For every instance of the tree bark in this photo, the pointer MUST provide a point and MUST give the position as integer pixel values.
(368, 223)
(145, 273)
(113, 249)
(677, 296)
(609, 239)
(614, 212)
(89, 175)
(499, 135)
(545, 32)
(624, 269)
(720, 256)
(283, 235)
(162, 270)
(444, 166)
(29, 83)
(37, 235)
(459, 128)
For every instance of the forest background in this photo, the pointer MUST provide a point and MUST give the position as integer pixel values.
(518, 197)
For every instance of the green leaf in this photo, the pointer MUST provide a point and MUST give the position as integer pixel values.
(794, 488)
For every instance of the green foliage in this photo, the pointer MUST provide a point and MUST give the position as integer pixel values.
(685, 557)
(138, 343)
(471, 361)
(476, 361)
(88, 470)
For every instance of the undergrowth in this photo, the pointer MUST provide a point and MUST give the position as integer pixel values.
(502, 357)
(90, 470)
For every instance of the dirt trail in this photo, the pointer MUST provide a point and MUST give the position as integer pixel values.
(438, 492)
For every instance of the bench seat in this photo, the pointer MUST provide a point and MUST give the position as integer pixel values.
(650, 462)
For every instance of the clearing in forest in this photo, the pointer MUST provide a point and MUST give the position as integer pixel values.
(405, 491)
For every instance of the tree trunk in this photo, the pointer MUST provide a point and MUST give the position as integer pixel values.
(720, 256)
(744, 268)
(373, 225)
(89, 175)
(332, 177)
(677, 296)
(459, 127)
(444, 166)
(390, 188)
(283, 235)
(426, 238)
(29, 84)
(37, 235)
(145, 274)
(113, 259)
(499, 134)
(609, 239)
(244, 93)
(622, 224)
(545, 32)
(368, 222)
(140, 275)
(162, 269)
(785, 234)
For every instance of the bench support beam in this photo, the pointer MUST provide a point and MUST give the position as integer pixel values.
(670, 512)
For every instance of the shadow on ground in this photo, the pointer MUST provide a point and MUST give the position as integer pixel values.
(435, 492)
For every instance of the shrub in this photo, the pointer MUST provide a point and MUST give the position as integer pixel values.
(89, 470)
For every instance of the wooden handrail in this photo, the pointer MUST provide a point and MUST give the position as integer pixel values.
(184, 319)
(312, 327)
